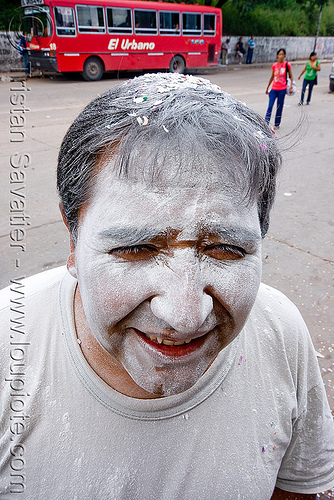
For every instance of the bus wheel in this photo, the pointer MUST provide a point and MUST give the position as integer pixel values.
(93, 69)
(177, 65)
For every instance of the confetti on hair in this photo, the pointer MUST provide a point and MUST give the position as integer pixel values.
(108, 126)
(142, 121)
(165, 129)
(263, 146)
(239, 119)
(132, 114)
(263, 449)
(139, 99)
(274, 447)
(240, 360)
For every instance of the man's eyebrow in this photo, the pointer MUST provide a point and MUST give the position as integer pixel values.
(234, 234)
(130, 235)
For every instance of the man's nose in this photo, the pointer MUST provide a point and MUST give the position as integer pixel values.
(183, 302)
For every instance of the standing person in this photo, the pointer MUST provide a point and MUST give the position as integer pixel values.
(279, 86)
(312, 67)
(224, 52)
(251, 45)
(240, 49)
(24, 52)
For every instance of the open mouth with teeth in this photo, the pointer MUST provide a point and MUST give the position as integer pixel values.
(172, 347)
(168, 342)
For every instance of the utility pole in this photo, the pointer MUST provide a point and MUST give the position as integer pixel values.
(317, 33)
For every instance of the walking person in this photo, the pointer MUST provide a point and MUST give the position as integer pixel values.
(251, 45)
(278, 79)
(311, 68)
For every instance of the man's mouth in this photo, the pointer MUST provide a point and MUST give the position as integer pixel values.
(173, 348)
(168, 342)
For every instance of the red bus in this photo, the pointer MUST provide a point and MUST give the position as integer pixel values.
(93, 36)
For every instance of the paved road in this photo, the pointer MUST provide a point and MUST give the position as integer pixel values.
(298, 252)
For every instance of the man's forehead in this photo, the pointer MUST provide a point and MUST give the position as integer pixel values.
(203, 206)
(161, 164)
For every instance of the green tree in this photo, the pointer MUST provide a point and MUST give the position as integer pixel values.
(245, 6)
(7, 12)
(278, 17)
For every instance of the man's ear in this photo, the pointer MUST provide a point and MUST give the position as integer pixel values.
(71, 258)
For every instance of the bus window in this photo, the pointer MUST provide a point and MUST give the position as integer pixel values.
(191, 24)
(209, 24)
(38, 21)
(119, 20)
(169, 23)
(64, 17)
(90, 19)
(145, 22)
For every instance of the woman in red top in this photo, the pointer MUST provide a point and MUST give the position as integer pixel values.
(278, 89)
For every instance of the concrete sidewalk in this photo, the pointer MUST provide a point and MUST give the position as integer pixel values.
(7, 76)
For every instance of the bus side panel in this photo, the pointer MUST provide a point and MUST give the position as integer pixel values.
(194, 55)
(71, 62)
(143, 61)
(135, 61)
(196, 60)
(121, 62)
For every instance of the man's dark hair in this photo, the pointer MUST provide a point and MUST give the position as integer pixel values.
(145, 121)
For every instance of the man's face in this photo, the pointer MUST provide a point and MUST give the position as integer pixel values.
(167, 276)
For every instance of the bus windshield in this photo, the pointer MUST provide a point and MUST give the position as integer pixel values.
(38, 21)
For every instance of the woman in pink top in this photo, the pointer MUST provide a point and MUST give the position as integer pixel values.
(278, 89)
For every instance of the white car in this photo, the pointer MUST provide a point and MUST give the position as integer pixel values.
(331, 79)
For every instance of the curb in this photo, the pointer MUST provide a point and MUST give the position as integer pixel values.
(19, 76)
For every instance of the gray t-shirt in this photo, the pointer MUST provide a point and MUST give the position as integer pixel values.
(257, 418)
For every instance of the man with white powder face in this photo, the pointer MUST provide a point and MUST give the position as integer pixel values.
(162, 367)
